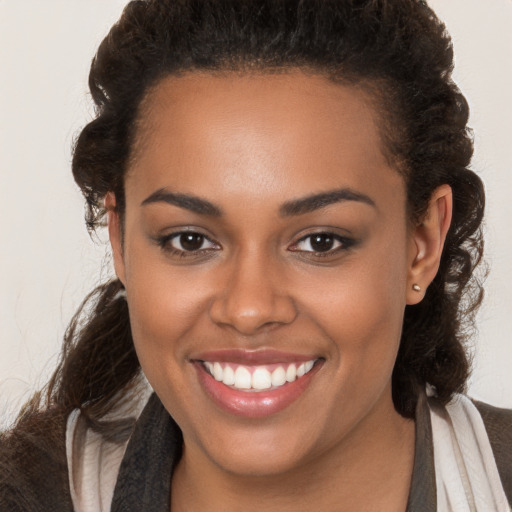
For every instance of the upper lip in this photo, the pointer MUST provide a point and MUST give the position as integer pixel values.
(252, 357)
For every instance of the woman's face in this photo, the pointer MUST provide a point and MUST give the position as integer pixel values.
(265, 236)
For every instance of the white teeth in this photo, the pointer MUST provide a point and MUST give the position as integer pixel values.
(229, 376)
(217, 371)
(291, 373)
(278, 376)
(261, 379)
(242, 378)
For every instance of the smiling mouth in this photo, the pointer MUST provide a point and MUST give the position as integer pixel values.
(255, 385)
(257, 378)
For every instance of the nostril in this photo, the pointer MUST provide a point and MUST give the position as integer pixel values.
(248, 317)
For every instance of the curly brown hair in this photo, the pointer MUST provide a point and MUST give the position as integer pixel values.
(397, 49)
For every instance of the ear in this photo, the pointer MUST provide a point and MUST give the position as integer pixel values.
(427, 242)
(115, 235)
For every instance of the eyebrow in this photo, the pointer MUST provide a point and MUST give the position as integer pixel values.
(317, 201)
(294, 207)
(186, 201)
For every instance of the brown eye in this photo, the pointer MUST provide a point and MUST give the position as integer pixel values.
(187, 242)
(191, 241)
(322, 242)
(319, 243)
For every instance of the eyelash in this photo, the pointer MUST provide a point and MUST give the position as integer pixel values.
(343, 244)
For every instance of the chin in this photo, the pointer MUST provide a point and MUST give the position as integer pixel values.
(257, 457)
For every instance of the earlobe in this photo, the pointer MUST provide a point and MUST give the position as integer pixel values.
(427, 243)
(114, 232)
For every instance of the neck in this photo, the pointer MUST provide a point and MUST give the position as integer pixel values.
(369, 470)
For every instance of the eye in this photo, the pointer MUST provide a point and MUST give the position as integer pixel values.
(323, 243)
(187, 243)
(319, 242)
(190, 242)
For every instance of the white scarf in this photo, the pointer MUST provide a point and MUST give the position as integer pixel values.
(467, 478)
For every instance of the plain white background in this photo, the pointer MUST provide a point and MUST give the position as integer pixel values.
(48, 262)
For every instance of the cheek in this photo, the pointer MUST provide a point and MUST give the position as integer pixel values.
(365, 288)
(165, 304)
(163, 312)
(361, 307)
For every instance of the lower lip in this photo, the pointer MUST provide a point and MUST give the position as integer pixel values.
(254, 404)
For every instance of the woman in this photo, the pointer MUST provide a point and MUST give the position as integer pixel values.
(294, 229)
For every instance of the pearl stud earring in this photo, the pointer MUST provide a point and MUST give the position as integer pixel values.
(416, 287)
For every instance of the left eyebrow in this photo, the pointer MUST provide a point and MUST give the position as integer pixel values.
(317, 201)
(186, 201)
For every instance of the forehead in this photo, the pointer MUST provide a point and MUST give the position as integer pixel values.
(203, 133)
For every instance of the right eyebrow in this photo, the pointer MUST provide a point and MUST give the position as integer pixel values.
(187, 201)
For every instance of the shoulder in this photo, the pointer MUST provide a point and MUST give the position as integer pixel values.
(95, 447)
(33, 469)
(498, 424)
(471, 443)
(498, 421)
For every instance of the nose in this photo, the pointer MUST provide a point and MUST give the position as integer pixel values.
(253, 297)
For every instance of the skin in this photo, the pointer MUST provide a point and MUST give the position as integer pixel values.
(248, 144)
